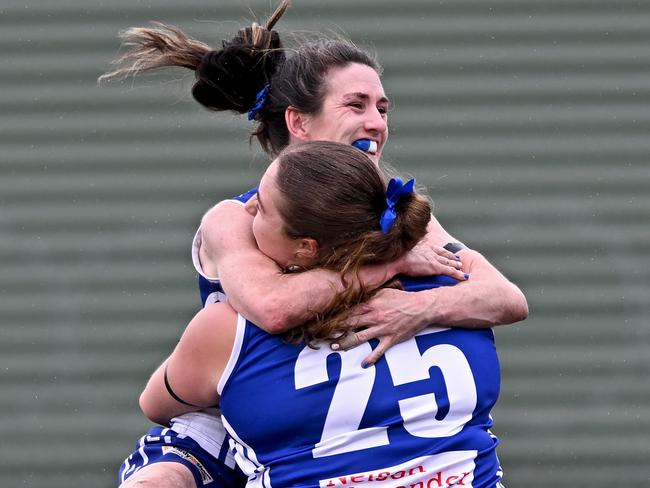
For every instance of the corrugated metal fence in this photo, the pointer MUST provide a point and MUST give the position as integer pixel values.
(528, 121)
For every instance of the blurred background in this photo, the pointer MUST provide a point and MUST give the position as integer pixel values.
(528, 121)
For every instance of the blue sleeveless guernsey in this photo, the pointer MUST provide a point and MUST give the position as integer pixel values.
(210, 288)
(302, 417)
(197, 440)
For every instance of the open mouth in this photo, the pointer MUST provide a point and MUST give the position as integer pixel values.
(366, 145)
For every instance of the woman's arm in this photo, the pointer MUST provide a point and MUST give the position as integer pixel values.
(488, 298)
(194, 368)
(392, 316)
(275, 301)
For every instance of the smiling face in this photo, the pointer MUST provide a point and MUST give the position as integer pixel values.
(354, 107)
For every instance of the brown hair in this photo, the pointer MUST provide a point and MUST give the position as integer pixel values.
(334, 194)
(229, 78)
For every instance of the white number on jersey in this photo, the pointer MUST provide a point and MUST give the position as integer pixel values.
(341, 431)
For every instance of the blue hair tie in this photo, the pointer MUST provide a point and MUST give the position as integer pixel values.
(260, 100)
(394, 193)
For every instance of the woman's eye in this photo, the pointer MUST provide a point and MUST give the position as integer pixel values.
(356, 105)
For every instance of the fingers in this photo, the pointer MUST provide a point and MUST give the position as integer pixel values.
(426, 259)
(458, 274)
(345, 342)
(361, 317)
(452, 263)
(451, 268)
(351, 339)
(442, 256)
(384, 344)
(443, 253)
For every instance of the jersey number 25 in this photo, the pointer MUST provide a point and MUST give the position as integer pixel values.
(406, 364)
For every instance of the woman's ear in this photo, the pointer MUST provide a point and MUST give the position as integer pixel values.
(307, 249)
(297, 123)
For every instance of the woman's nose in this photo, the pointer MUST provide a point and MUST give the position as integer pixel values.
(377, 122)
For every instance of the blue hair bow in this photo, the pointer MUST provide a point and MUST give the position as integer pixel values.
(260, 100)
(394, 193)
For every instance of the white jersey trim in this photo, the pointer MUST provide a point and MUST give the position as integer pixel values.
(196, 245)
(239, 202)
(234, 355)
(206, 428)
(196, 259)
(246, 458)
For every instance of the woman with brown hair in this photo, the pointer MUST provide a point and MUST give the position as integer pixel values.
(300, 414)
(318, 90)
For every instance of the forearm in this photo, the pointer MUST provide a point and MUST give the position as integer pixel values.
(487, 299)
(256, 287)
(484, 300)
(277, 301)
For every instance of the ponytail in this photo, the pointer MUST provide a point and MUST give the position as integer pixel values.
(228, 78)
(232, 77)
(374, 247)
(334, 194)
(156, 47)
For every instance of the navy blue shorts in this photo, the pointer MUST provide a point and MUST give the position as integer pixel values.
(161, 444)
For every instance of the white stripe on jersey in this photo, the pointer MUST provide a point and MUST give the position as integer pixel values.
(145, 458)
(127, 469)
(206, 429)
(196, 245)
(247, 460)
(196, 260)
(216, 297)
(234, 355)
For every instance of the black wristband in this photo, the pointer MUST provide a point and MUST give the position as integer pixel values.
(454, 246)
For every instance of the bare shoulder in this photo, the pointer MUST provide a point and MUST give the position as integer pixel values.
(225, 229)
(216, 320)
(223, 209)
(207, 342)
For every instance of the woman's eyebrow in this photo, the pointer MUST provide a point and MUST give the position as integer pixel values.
(365, 97)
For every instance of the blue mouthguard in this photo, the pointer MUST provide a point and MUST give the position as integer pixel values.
(365, 145)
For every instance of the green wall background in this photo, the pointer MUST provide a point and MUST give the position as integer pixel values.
(528, 121)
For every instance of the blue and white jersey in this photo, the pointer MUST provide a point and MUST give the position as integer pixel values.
(203, 428)
(210, 286)
(305, 417)
(420, 417)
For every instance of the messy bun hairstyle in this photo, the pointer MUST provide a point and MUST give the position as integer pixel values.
(227, 78)
(336, 195)
(230, 77)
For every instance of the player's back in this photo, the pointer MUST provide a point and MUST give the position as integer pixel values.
(314, 417)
